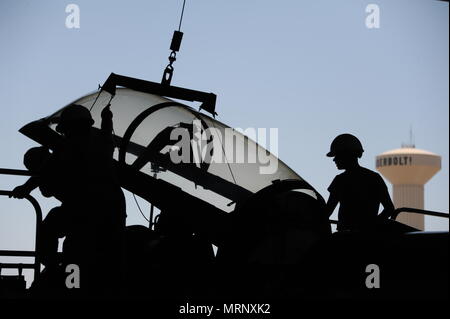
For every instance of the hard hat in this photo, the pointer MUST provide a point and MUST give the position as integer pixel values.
(74, 113)
(35, 158)
(346, 143)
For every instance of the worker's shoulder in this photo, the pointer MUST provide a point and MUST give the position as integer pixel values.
(359, 172)
(369, 173)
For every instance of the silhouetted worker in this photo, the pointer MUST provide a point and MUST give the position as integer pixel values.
(358, 190)
(92, 216)
(82, 168)
(54, 225)
(34, 160)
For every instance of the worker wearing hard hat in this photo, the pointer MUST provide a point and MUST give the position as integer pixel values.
(358, 190)
(81, 175)
(83, 167)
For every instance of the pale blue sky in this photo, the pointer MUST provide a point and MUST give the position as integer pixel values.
(310, 68)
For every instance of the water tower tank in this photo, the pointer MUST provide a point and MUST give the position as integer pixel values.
(408, 169)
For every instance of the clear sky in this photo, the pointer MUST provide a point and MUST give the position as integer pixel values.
(310, 68)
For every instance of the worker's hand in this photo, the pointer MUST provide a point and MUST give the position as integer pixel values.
(19, 192)
(106, 113)
(386, 214)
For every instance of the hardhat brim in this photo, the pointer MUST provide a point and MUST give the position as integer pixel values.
(330, 154)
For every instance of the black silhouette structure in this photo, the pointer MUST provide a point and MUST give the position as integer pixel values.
(358, 190)
(272, 233)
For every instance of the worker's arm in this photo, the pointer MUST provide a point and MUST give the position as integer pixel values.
(107, 128)
(332, 203)
(388, 206)
(107, 123)
(25, 189)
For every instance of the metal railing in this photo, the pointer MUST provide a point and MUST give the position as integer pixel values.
(17, 172)
(36, 266)
(410, 210)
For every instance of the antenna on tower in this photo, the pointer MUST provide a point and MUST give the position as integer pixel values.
(411, 143)
(411, 137)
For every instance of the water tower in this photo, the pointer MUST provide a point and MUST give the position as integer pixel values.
(408, 169)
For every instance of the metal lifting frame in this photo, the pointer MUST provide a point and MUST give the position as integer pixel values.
(208, 100)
